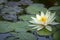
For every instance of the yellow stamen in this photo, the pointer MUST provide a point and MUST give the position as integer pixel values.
(43, 19)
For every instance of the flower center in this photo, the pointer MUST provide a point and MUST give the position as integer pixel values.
(43, 19)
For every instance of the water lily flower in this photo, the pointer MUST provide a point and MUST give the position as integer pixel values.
(43, 21)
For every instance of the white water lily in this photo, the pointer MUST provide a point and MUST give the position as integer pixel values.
(43, 20)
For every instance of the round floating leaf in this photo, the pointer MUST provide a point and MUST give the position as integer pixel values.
(54, 8)
(44, 32)
(58, 27)
(54, 29)
(58, 19)
(26, 36)
(56, 35)
(26, 17)
(19, 26)
(35, 9)
(58, 13)
(4, 27)
(20, 30)
(39, 5)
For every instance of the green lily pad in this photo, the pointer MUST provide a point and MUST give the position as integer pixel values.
(26, 17)
(58, 19)
(54, 8)
(44, 32)
(54, 29)
(20, 30)
(26, 36)
(19, 26)
(56, 35)
(4, 27)
(35, 9)
(23, 36)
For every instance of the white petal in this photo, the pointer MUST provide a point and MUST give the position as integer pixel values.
(37, 16)
(47, 14)
(35, 22)
(49, 28)
(41, 27)
(33, 18)
(54, 23)
(52, 15)
(42, 14)
(51, 18)
(31, 25)
(32, 21)
(35, 27)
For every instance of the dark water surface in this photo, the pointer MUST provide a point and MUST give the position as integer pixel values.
(3, 36)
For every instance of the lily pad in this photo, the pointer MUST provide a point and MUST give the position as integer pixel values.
(44, 32)
(4, 27)
(26, 36)
(35, 9)
(56, 35)
(26, 17)
(19, 26)
(58, 19)
(54, 8)
(54, 29)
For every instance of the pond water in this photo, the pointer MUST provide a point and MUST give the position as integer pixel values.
(3, 36)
